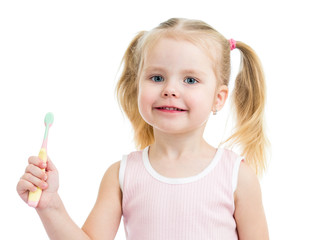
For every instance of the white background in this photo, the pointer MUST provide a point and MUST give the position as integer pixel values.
(64, 57)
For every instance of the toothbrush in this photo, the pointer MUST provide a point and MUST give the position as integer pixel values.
(34, 197)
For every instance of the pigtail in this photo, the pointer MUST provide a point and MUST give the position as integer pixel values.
(249, 101)
(127, 93)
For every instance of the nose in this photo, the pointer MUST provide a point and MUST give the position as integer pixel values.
(170, 91)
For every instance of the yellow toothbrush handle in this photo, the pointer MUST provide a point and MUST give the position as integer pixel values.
(34, 197)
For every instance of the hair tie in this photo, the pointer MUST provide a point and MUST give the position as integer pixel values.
(232, 43)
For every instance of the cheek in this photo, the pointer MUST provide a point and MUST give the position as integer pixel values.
(202, 100)
(145, 100)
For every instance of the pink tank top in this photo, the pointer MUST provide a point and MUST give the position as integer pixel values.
(194, 208)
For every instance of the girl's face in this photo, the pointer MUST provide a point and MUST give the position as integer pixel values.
(177, 87)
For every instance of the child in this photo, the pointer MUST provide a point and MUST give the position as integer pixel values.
(177, 186)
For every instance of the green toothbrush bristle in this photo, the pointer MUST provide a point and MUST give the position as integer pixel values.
(49, 118)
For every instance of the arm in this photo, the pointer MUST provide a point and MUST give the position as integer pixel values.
(249, 213)
(104, 220)
(58, 223)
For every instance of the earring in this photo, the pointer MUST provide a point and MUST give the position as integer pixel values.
(215, 112)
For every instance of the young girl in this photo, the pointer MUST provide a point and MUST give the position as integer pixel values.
(177, 186)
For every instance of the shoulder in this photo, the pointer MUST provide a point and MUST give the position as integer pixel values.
(246, 173)
(247, 182)
(110, 187)
(111, 175)
(113, 168)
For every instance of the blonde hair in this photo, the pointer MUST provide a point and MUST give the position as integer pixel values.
(248, 95)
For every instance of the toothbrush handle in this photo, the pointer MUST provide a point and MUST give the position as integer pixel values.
(34, 197)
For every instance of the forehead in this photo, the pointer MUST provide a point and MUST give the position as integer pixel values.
(173, 52)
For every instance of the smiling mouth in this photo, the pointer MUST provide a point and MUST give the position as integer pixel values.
(170, 109)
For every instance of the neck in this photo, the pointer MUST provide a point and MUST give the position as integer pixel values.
(178, 147)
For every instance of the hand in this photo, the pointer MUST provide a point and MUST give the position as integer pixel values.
(34, 177)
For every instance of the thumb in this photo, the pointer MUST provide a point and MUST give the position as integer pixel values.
(50, 165)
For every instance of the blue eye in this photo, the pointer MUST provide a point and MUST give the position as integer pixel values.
(190, 80)
(157, 79)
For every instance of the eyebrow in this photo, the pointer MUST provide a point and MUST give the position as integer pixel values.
(185, 71)
(153, 68)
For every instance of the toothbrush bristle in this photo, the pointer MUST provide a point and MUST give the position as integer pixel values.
(49, 119)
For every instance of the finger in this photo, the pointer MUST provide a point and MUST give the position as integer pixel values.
(36, 171)
(37, 162)
(34, 180)
(24, 186)
(50, 165)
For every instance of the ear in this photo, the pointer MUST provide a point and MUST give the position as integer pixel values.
(220, 98)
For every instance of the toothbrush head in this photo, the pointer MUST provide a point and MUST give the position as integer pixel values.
(49, 119)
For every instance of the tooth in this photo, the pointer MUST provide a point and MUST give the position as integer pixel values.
(171, 109)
